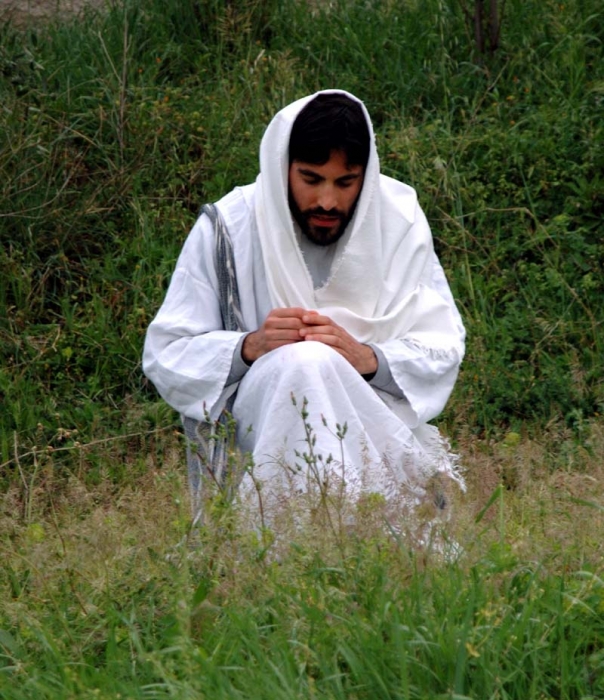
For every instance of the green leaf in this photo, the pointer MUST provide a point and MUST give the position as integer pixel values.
(494, 496)
(8, 642)
(202, 591)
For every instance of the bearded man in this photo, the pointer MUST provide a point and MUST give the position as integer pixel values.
(344, 309)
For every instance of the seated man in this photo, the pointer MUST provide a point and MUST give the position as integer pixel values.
(344, 307)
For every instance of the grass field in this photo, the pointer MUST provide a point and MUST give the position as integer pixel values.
(114, 129)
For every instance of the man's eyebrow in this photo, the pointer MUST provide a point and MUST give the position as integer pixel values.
(309, 173)
(312, 173)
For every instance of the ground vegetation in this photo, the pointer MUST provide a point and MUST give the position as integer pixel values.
(115, 127)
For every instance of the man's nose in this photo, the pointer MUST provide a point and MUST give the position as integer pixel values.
(327, 198)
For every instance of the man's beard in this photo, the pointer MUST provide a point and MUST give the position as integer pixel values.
(320, 235)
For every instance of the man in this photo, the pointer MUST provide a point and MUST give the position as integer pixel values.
(345, 308)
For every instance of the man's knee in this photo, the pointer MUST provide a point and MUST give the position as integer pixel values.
(307, 361)
(309, 353)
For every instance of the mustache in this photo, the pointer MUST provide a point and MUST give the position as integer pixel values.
(319, 211)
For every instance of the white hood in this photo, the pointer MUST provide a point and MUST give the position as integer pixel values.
(376, 289)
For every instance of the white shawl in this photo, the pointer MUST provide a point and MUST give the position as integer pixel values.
(377, 289)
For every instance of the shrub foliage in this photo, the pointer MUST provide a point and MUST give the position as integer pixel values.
(114, 130)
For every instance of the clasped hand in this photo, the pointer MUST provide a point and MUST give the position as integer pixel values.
(293, 325)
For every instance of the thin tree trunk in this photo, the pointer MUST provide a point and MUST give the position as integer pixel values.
(479, 26)
(493, 26)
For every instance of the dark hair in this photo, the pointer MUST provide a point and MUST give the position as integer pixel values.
(330, 122)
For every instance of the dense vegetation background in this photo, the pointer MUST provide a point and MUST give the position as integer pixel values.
(114, 129)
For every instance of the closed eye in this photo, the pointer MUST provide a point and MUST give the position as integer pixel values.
(347, 181)
(311, 179)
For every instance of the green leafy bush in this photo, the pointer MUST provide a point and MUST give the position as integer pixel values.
(114, 130)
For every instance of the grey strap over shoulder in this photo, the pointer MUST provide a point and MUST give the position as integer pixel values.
(228, 291)
(207, 448)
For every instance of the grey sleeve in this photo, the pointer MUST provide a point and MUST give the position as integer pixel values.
(238, 365)
(383, 379)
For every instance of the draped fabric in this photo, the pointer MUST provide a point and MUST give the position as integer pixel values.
(310, 422)
(377, 289)
(386, 286)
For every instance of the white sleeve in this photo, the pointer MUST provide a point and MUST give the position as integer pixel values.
(425, 376)
(187, 355)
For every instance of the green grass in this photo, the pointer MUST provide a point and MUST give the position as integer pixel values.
(113, 131)
(103, 594)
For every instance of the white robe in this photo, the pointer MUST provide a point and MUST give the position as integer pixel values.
(386, 287)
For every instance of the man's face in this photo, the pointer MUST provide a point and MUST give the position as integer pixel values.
(322, 198)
